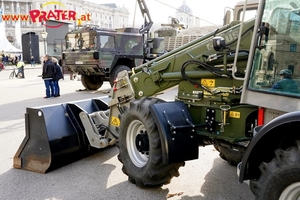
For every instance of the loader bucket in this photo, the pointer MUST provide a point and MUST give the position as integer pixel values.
(55, 136)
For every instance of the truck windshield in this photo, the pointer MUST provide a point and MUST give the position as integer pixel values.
(81, 41)
(275, 68)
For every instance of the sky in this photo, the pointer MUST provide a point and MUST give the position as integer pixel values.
(210, 11)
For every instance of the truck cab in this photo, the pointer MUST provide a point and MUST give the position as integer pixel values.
(99, 54)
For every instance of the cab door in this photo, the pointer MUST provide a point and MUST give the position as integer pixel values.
(107, 50)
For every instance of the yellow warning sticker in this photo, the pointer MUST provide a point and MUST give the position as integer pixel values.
(115, 121)
(234, 114)
(208, 82)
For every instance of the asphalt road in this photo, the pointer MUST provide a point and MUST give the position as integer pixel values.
(98, 176)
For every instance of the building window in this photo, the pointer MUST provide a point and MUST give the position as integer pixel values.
(7, 7)
(54, 6)
(293, 47)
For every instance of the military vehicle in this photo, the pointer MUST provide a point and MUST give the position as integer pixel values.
(229, 95)
(99, 54)
(174, 38)
(171, 29)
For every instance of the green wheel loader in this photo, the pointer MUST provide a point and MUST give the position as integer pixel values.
(231, 94)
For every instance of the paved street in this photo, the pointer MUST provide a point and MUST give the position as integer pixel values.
(98, 176)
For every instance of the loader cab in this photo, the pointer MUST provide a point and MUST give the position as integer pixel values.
(276, 50)
(251, 10)
(237, 13)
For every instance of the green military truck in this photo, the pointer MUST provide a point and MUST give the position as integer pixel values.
(99, 54)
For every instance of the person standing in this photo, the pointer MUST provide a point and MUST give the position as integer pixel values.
(1, 66)
(60, 62)
(20, 66)
(47, 75)
(57, 76)
(32, 61)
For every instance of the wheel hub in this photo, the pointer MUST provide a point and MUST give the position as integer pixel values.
(292, 192)
(142, 142)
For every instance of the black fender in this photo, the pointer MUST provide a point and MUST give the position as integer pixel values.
(280, 132)
(177, 133)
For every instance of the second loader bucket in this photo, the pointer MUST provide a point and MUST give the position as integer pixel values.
(54, 135)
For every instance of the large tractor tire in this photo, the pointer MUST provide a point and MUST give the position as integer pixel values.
(280, 178)
(114, 73)
(92, 82)
(232, 156)
(140, 148)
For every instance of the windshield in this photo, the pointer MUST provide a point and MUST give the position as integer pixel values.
(276, 64)
(81, 41)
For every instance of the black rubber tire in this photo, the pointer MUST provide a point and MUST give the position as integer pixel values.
(232, 156)
(114, 73)
(11, 75)
(143, 170)
(92, 82)
(277, 175)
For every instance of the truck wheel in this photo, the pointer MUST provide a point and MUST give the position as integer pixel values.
(92, 82)
(232, 156)
(279, 178)
(114, 73)
(140, 148)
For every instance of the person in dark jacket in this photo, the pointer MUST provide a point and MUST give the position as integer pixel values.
(32, 62)
(286, 83)
(57, 76)
(47, 75)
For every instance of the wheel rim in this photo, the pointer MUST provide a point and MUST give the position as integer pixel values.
(292, 192)
(134, 128)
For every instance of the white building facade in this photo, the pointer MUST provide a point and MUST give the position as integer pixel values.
(103, 15)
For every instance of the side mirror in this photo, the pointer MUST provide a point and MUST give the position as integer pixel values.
(227, 18)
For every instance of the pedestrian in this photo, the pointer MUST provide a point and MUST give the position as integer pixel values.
(16, 60)
(1, 66)
(20, 66)
(32, 61)
(57, 76)
(60, 62)
(47, 75)
(286, 83)
(6, 60)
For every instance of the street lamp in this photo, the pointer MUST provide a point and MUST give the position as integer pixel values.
(44, 35)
